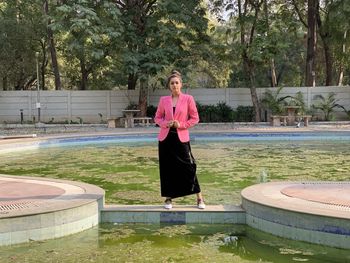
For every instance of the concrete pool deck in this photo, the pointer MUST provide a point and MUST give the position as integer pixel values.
(18, 131)
(40, 208)
(33, 209)
(316, 212)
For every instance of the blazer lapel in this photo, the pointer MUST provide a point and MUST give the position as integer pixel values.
(169, 106)
(179, 104)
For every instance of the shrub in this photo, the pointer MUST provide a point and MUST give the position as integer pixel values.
(151, 111)
(220, 112)
(327, 105)
(245, 114)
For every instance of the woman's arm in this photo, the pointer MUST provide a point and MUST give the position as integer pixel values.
(193, 117)
(160, 115)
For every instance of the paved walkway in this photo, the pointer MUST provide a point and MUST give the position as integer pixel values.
(27, 131)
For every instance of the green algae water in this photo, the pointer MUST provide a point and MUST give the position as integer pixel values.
(171, 243)
(129, 171)
(129, 174)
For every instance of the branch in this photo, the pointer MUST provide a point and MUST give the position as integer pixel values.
(150, 5)
(299, 13)
(121, 4)
(257, 9)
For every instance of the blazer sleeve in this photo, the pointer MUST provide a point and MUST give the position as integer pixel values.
(160, 114)
(193, 117)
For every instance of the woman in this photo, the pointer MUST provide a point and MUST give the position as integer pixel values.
(175, 114)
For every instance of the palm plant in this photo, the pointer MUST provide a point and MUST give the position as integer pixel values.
(274, 102)
(327, 105)
(298, 100)
(347, 113)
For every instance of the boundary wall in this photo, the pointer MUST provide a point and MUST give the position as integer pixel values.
(73, 105)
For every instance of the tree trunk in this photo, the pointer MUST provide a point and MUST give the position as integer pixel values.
(84, 74)
(53, 52)
(132, 80)
(329, 63)
(249, 69)
(143, 96)
(311, 43)
(247, 63)
(273, 73)
(272, 61)
(21, 78)
(341, 67)
(42, 69)
(4, 83)
(325, 36)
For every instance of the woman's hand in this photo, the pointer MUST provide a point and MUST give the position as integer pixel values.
(173, 124)
(176, 124)
(170, 124)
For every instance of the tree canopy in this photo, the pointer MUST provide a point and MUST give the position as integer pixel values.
(108, 44)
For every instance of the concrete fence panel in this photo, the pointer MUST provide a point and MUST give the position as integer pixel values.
(94, 106)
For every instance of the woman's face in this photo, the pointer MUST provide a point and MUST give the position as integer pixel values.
(175, 85)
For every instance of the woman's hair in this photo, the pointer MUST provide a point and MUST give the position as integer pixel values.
(173, 74)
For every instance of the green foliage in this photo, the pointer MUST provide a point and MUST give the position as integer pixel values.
(273, 101)
(298, 100)
(245, 114)
(151, 111)
(327, 105)
(21, 34)
(94, 29)
(347, 112)
(220, 112)
(101, 43)
(160, 34)
(131, 106)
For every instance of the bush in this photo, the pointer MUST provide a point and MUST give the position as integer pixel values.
(151, 111)
(327, 105)
(245, 114)
(220, 112)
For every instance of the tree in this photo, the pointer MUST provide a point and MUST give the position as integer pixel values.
(52, 46)
(158, 34)
(339, 26)
(321, 22)
(21, 36)
(246, 15)
(93, 28)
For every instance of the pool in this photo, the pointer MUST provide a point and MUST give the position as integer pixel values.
(126, 167)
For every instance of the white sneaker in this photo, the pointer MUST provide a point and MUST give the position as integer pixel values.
(168, 204)
(200, 204)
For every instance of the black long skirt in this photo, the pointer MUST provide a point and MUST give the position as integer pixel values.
(177, 167)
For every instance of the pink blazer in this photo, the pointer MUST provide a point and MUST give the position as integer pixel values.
(185, 113)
